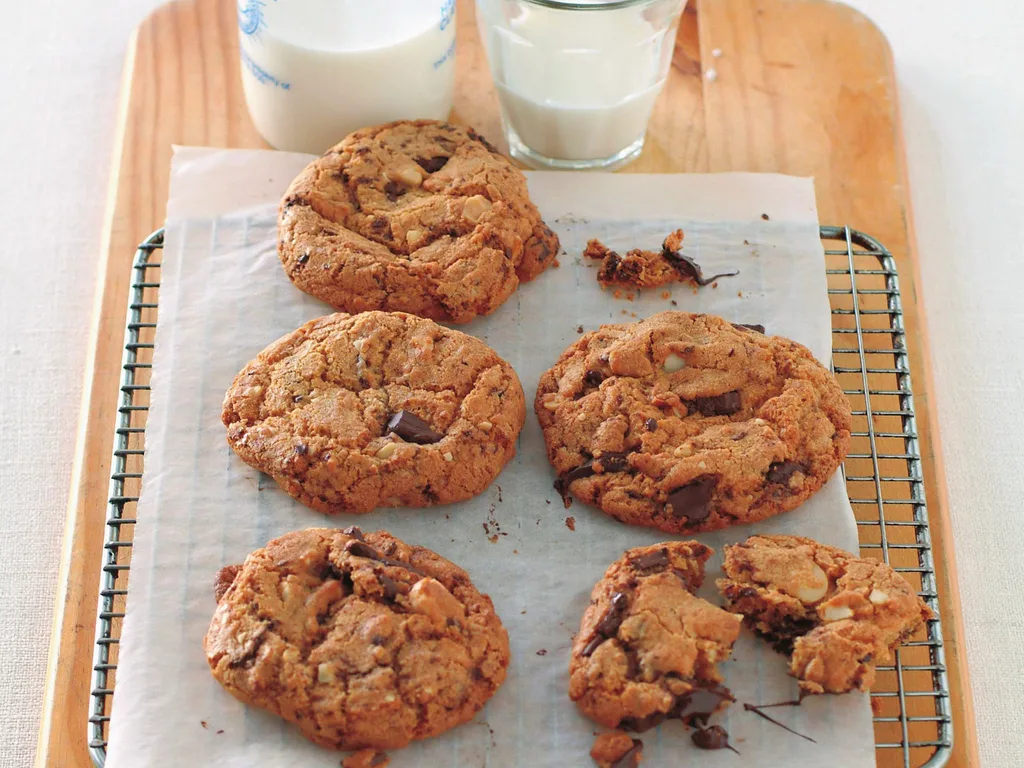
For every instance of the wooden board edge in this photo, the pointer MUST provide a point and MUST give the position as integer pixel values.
(68, 596)
(939, 513)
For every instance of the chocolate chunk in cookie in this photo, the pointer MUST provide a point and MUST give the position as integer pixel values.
(353, 412)
(687, 423)
(647, 648)
(837, 614)
(414, 216)
(359, 652)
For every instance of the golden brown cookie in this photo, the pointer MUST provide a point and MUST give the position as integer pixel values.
(689, 423)
(362, 641)
(647, 648)
(838, 614)
(353, 412)
(414, 216)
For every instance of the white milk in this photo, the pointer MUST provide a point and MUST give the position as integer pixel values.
(316, 70)
(578, 85)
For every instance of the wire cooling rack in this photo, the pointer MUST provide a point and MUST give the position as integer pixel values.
(910, 700)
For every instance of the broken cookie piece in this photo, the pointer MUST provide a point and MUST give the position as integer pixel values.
(366, 758)
(617, 750)
(648, 269)
(362, 641)
(837, 614)
(647, 648)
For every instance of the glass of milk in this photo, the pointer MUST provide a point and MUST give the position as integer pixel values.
(577, 80)
(315, 70)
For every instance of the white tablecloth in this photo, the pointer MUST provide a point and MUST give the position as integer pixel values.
(959, 67)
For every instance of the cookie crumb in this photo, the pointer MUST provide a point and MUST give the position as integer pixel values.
(579, 329)
(665, 294)
(765, 217)
(542, 652)
(220, 731)
(366, 758)
(570, 523)
(616, 749)
(203, 723)
(674, 303)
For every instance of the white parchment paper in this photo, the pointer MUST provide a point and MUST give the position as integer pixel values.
(224, 297)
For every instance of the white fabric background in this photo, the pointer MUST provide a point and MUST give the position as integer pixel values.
(959, 68)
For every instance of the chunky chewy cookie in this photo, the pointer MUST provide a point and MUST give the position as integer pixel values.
(649, 269)
(417, 216)
(352, 412)
(647, 647)
(838, 614)
(689, 423)
(362, 641)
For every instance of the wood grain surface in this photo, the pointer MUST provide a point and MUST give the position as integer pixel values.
(803, 87)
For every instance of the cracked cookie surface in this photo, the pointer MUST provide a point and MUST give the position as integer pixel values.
(689, 423)
(413, 216)
(353, 412)
(837, 614)
(647, 648)
(360, 640)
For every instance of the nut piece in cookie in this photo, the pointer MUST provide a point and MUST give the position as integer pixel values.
(353, 412)
(414, 216)
(690, 423)
(648, 269)
(647, 648)
(615, 749)
(837, 614)
(361, 640)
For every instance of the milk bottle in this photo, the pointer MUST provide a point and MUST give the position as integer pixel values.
(315, 70)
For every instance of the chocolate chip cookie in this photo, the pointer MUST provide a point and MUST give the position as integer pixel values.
(362, 641)
(647, 647)
(837, 614)
(689, 423)
(416, 216)
(353, 412)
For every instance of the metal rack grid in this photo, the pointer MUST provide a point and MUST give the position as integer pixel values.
(910, 700)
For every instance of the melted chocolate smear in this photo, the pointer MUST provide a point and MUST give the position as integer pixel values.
(689, 268)
(713, 737)
(608, 624)
(362, 549)
(412, 428)
(651, 424)
(432, 164)
(724, 404)
(651, 561)
(609, 461)
(781, 471)
(693, 500)
(695, 708)
(755, 327)
(354, 532)
(391, 588)
(757, 711)
(632, 758)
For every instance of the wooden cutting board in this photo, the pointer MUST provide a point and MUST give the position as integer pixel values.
(803, 87)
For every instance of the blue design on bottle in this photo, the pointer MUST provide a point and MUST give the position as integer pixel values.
(250, 17)
(447, 13)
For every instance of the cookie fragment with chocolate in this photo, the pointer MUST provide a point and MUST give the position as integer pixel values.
(648, 269)
(380, 409)
(648, 648)
(837, 615)
(415, 216)
(361, 640)
(615, 749)
(687, 422)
